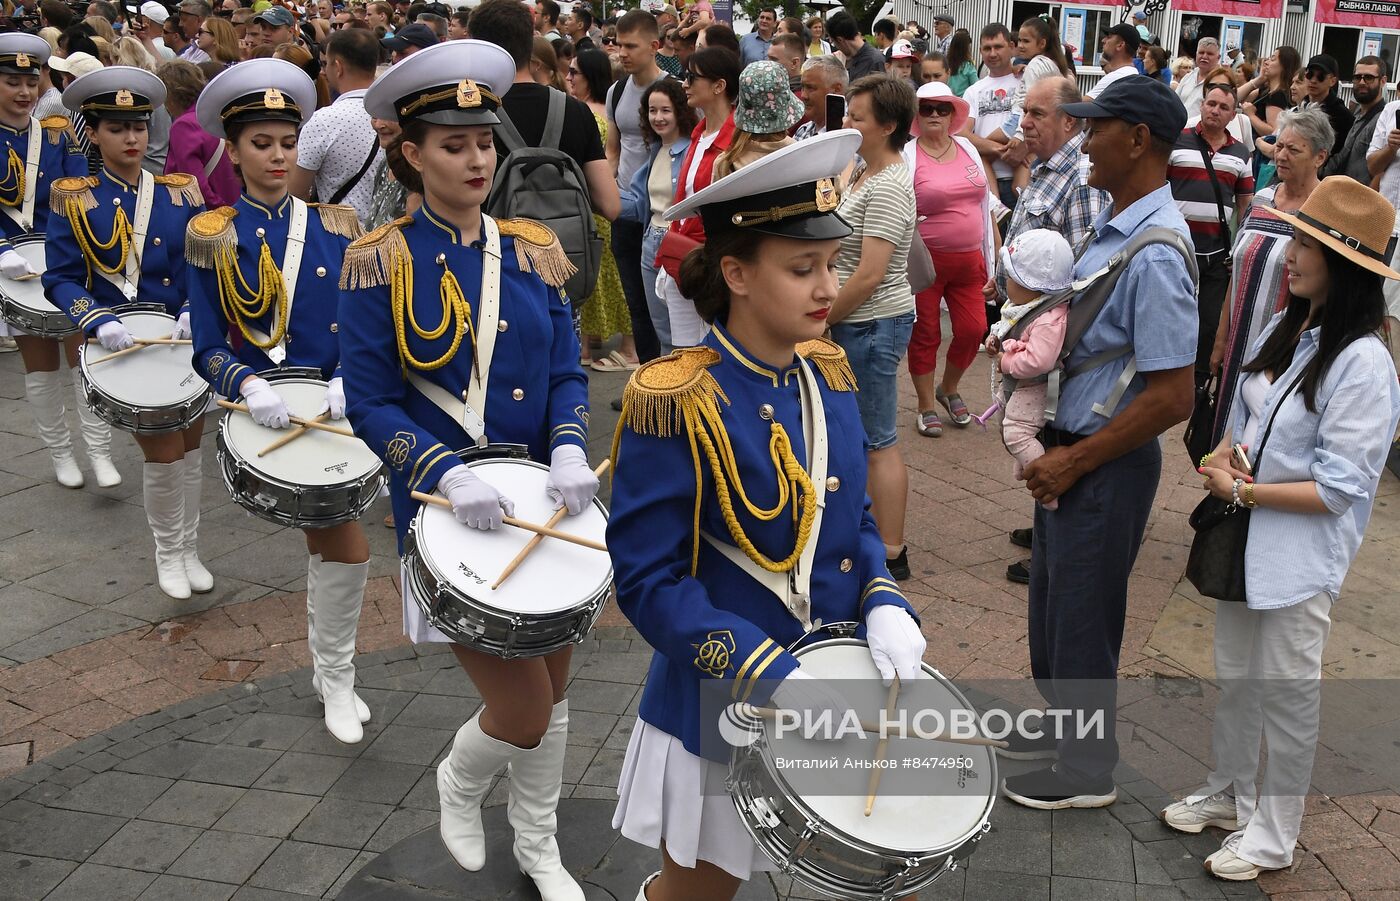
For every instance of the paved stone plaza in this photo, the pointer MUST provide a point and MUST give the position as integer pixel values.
(173, 749)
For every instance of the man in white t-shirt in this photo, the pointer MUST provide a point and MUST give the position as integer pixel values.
(989, 104)
(1189, 86)
(1119, 47)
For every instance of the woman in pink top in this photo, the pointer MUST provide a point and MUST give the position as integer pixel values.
(950, 189)
(193, 150)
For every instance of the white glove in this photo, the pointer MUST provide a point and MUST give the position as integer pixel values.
(182, 327)
(266, 405)
(800, 691)
(335, 399)
(14, 265)
(474, 502)
(896, 644)
(114, 336)
(571, 481)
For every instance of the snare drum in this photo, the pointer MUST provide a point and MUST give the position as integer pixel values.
(23, 304)
(318, 480)
(825, 841)
(147, 391)
(551, 600)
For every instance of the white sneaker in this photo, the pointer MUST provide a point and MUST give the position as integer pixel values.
(1226, 864)
(1216, 810)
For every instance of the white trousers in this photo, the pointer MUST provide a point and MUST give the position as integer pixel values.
(687, 328)
(1269, 666)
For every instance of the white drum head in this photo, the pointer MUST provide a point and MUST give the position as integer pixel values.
(940, 819)
(557, 575)
(29, 293)
(317, 459)
(156, 377)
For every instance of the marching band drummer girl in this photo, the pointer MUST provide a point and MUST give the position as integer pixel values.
(455, 333)
(733, 531)
(119, 237)
(39, 153)
(266, 269)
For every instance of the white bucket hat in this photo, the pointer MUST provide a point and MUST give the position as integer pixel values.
(1039, 259)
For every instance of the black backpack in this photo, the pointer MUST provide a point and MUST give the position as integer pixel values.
(546, 184)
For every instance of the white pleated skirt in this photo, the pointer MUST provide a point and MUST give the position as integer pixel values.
(668, 794)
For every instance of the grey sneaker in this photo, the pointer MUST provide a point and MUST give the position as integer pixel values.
(1217, 810)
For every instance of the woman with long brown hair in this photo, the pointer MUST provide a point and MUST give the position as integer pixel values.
(1266, 96)
(218, 38)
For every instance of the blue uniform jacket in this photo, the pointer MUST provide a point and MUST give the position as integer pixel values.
(313, 329)
(58, 157)
(537, 394)
(718, 622)
(75, 286)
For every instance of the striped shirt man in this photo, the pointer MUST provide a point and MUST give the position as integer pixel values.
(1195, 195)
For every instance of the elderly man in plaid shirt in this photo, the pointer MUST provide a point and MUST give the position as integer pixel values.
(1058, 198)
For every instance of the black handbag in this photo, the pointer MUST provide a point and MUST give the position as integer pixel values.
(1216, 563)
(1201, 425)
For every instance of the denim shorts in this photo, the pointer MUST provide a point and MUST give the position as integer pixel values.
(875, 349)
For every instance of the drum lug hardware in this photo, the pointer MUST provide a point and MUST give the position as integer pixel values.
(804, 840)
(762, 811)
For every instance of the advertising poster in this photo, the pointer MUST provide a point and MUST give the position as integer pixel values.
(1359, 13)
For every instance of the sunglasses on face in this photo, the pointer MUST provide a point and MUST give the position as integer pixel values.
(1220, 85)
(688, 77)
(1360, 77)
(1315, 75)
(572, 71)
(205, 31)
(935, 109)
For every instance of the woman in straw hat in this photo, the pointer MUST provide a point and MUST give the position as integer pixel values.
(1322, 376)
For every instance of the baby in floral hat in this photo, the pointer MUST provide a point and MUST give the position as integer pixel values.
(1038, 263)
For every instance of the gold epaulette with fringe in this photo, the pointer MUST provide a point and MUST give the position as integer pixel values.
(183, 189)
(537, 249)
(74, 188)
(209, 234)
(339, 219)
(58, 125)
(830, 360)
(663, 391)
(370, 260)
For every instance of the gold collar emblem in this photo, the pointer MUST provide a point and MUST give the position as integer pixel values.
(273, 99)
(468, 94)
(22, 61)
(124, 98)
(827, 198)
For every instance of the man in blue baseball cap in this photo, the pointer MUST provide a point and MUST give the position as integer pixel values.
(1102, 460)
(277, 25)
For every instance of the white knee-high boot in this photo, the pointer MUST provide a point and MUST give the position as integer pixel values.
(642, 892)
(313, 569)
(45, 393)
(463, 779)
(201, 580)
(97, 435)
(535, 779)
(340, 590)
(164, 490)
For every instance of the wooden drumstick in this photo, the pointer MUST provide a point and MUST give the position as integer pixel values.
(293, 435)
(150, 341)
(295, 420)
(118, 353)
(535, 541)
(538, 529)
(881, 748)
(770, 713)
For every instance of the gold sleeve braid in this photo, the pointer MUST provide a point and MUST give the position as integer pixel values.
(677, 395)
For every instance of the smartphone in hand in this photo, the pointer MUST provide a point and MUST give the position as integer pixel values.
(1239, 458)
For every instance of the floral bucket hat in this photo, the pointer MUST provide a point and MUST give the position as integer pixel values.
(767, 104)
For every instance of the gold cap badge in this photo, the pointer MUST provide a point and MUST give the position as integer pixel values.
(273, 99)
(468, 94)
(124, 98)
(22, 61)
(827, 198)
